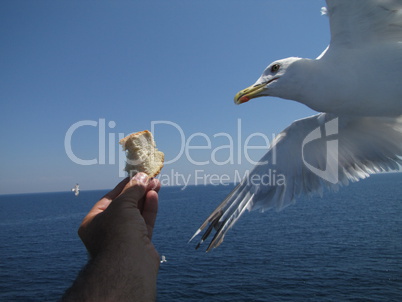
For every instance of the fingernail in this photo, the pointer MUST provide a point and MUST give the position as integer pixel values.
(141, 178)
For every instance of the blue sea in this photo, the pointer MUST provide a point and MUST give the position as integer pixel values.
(346, 246)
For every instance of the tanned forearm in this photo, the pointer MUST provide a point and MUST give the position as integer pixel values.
(112, 276)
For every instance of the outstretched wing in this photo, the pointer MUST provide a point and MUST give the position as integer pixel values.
(356, 22)
(318, 152)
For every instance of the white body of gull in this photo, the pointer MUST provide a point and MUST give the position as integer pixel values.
(356, 84)
(76, 189)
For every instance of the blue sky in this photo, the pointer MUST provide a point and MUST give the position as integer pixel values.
(173, 66)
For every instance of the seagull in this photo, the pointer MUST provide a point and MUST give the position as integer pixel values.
(356, 86)
(76, 189)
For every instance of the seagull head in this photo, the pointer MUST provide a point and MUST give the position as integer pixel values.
(274, 81)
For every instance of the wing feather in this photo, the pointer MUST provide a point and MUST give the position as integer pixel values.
(297, 165)
(356, 22)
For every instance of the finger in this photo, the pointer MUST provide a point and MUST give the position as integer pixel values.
(150, 210)
(118, 189)
(140, 178)
(99, 207)
(154, 184)
(135, 189)
(105, 201)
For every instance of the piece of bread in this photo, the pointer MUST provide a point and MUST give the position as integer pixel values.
(142, 154)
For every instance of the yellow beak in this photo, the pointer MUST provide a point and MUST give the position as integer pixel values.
(249, 93)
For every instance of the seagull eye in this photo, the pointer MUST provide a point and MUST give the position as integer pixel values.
(275, 68)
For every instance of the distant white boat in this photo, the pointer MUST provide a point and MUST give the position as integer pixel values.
(163, 259)
(76, 189)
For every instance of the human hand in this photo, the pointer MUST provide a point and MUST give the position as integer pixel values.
(117, 233)
(135, 202)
